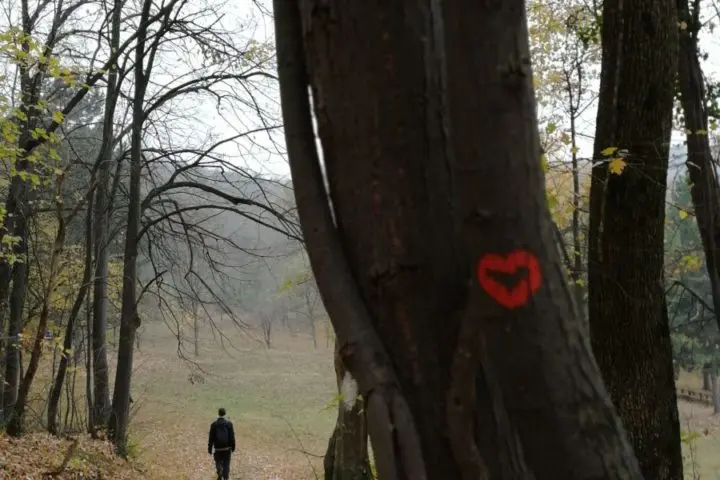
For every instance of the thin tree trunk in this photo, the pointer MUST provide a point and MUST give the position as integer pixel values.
(196, 330)
(576, 276)
(426, 115)
(52, 412)
(89, 368)
(627, 307)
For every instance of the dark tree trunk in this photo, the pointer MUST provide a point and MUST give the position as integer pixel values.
(704, 188)
(101, 406)
(70, 333)
(196, 329)
(627, 310)
(426, 115)
(347, 454)
(13, 370)
(89, 368)
(129, 320)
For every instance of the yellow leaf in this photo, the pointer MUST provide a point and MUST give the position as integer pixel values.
(58, 117)
(683, 25)
(617, 165)
(683, 214)
(608, 151)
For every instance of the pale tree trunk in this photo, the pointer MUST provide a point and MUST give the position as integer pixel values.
(627, 307)
(426, 114)
(347, 453)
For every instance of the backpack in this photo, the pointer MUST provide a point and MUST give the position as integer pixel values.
(222, 435)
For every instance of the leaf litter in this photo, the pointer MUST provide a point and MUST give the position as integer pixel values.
(43, 456)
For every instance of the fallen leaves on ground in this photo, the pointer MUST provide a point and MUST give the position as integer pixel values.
(41, 456)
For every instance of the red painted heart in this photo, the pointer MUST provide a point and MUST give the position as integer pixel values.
(520, 293)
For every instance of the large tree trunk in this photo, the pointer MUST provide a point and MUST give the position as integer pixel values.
(13, 367)
(101, 374)
(70, 331)
(704, 188)
(426, 115)
(129, 320)
(347, 454)
(627, 309)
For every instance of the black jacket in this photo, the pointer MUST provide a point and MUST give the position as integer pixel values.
(211, 439)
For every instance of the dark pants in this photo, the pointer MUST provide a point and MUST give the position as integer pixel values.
(222, 464)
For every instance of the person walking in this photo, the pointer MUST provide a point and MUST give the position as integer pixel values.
(222, 438)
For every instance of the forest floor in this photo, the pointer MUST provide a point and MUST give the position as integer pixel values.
(280, 401)
(39, 456)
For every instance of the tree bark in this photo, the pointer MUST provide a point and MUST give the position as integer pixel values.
(627, 309)
(426, 115)
(89, 369)
(347, 454)
(13, 370)
(129, 320)
(101, 406)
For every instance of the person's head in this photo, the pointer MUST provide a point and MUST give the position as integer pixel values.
(221, 412)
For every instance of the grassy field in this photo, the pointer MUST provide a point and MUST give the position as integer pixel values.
(276, 398)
